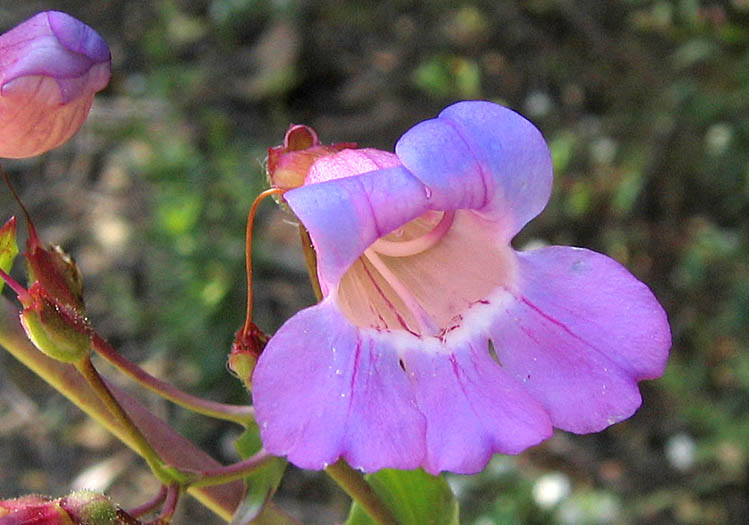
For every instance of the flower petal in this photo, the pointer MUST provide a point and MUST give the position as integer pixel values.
(50, 68)
(441, 159)
(480, 155)
(385, 427)
(343, 395)
(78, 37)
(30, 125)
(55, 45)
(344, 216)
(580, 333)
(602, 303)
(349, 162)
(473, 407)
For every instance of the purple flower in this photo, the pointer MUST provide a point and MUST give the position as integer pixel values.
(436, 343)
(50, 68)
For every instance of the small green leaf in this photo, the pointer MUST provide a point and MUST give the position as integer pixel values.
(8, 247)
(262, 484)
(249, 443)
(413, 496)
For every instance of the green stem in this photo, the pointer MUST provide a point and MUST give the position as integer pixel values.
(89, 372)
(353, 482)
(242, 415)
(149, 506)
(176, 450)
(234, 472)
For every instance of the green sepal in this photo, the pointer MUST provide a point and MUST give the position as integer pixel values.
(413, 496)
(90, 508)
(261, 484)
(8, 247)
(56, 330)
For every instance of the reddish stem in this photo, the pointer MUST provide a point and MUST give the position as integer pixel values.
(170, 506)
(238, 413)
(33, 237)
(149, 505)
(20, 290)
(233, 472)
(248, 253)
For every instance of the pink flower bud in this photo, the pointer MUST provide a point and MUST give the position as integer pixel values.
(50, 68)
(289, 163)
(32, 510)
(84, 507)
(10, 505)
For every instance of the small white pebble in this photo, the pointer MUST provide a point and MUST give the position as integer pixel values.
(681, 451)
(550, 489)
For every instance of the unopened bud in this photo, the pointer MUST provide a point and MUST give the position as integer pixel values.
(32, 510)
(9, 505)
(79, 508)
(50, 68)
(57, 273)
(89, 508)
(289, 163)
(247, 346)
(56, 329)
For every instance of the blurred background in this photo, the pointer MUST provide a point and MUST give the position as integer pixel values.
(645, 105)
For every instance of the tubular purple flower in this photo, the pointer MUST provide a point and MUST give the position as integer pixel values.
(51, 66)
(437, 344)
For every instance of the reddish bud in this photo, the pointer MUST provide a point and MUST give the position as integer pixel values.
(10, 505)
(56, 272)
(247, 346)
(289, 163)
(53, 315)
(32, 510)
(79, 508)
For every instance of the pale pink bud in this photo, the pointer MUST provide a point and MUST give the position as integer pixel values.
(50, 68)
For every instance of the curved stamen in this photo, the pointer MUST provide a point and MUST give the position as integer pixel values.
(417, 245)
(427, 326)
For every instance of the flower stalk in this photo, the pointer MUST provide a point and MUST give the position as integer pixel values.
(173, 492)
(86, 368)
(149, 506)
(360, 491)
(234, 472)
(242, 415)
(248, 255)
(172, 447)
